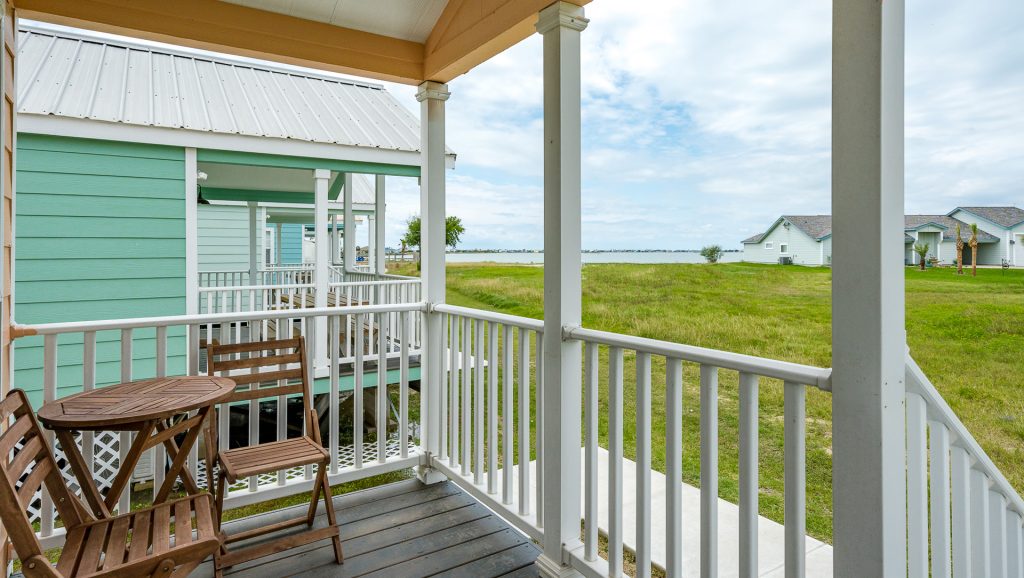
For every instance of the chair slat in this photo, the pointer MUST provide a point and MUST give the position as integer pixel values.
(266, 392)
(33, 481)
(254, 346)
(182, 523)
(161, 528)
(140, 536)
(28, 454)
(72, 551)
(90, 560)
(269, 376)
(14, 434)
(116, 544)
(255, 361)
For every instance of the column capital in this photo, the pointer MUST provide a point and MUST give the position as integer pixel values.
(431, 90)
(562, 15)
(321, 173)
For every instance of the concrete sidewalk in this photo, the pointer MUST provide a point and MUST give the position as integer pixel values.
(771, 535)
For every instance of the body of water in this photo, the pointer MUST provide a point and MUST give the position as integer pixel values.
(607, 257)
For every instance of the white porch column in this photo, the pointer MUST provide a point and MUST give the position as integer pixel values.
(379, 244)
(350, 225)
(432, 97)
(335, 240)
(561, 24)
(371, 243)
(254, 247)
(277, 244)
(868, 331)
(322, 179)
(191, 233)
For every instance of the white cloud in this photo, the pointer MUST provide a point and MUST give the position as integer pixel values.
(705, 120)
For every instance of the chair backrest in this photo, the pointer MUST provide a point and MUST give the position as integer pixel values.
(264, 369)
(28, 465)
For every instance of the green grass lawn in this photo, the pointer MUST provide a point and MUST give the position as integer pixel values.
(966, 333)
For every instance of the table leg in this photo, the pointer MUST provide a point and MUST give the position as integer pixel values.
(178, 462)
(82, 473)
(127, 468)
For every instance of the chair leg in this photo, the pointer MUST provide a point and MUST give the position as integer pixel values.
(321, 474)
(332, 521)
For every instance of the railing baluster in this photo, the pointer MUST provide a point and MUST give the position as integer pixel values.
(795, 475)
(524, 421)
(615, 426)
(643, 465)
(961, 502)
(539, 441)
(1015, 545)
(708, 471)
(590, 469)
(507, 433)
(447, 390)
(674, 467)
(254, 414)
(282, 408)
(382, 387)
(748, 470)
(492, 408)
(88, 384)
(997, 533)
(357, 407)
(124, 503)
(980, 555)
(940, 499)
(917, 487)
(467, 346)
(335, 393)
(192, 354)
(403, 392)
(310, 324)
(46, 511)
(156, 454)
(478, 402)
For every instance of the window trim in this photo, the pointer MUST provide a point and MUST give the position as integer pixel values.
(784, 248)
(769, 245)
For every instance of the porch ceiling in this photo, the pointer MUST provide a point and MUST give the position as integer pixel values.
(405, 41)
(227, 182)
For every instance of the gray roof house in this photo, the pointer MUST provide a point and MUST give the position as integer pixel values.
(807, 239)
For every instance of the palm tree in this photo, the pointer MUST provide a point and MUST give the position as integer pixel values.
(922, 250)
(974, 249)
(959, 251)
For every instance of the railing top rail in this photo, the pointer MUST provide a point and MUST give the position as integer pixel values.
(939, 410)
(793, 372)
(412, 281)
(216, 289)
(18, 331)
(504, 319)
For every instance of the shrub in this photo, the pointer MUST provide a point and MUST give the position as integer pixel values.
(711, 253)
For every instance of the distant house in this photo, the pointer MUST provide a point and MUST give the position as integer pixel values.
(807, 239)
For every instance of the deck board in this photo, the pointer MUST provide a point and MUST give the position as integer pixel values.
(405, 529)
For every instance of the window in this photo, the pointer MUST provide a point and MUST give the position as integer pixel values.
(783, 248)
(769, 246)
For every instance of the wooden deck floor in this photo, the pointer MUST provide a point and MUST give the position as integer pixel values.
(405, 529)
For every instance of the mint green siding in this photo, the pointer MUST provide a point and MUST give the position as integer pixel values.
(291, 243)
(100, 235)
(224, 237)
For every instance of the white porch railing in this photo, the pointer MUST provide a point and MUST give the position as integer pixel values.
(963, 516)
(395, 447)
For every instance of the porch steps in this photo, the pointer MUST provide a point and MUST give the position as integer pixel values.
(771, 535)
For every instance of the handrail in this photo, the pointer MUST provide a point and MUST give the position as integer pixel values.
(503, 318)
(410, 281)
(784, 370)
(939, 410)
(216, 289)
(18, 330)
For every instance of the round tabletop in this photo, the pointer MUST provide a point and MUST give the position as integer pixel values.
(134, 402)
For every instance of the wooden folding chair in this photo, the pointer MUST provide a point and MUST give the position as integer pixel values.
(140, 543)
(268, 369)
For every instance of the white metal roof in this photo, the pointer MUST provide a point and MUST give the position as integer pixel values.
(96, 78)
(405, 19)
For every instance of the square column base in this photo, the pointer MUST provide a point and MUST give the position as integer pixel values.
(429, 475)
(552, 569)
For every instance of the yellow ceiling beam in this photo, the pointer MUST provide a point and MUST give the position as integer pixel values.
(470, 32)
(233, 29)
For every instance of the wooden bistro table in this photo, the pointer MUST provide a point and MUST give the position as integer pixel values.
(144, 407)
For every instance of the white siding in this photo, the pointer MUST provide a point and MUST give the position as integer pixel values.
(224, 237)
(989, 253)
(803, 249)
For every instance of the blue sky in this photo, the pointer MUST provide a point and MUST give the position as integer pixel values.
(703, 121)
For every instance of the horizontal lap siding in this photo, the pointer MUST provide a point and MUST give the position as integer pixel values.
(100, 235)
(224, 237)
(291, 243)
